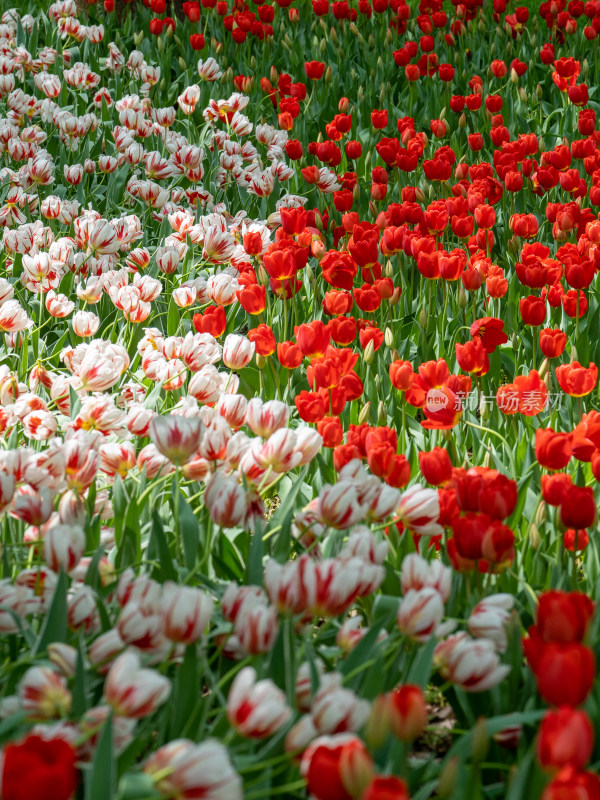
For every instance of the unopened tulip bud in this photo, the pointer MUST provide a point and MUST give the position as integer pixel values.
(423, 318)
(515, 342)
(487, 460)
(484, 408)
(160, 45)
(481, 741)
(388, 337)
(585, 68)
(263, 275)
(328, 77)
(462, 297)
(361, 94)
(163, 83)
(388, 36)
(540, 515)
(323, 46)
(462, 121)
(309, 274)
(138, 38)
(372, 208)
(364, 413)
(448, 777)
(539, 91)
(534, 536)
(544, 368)
(381, 413)
(63, 657)
(573, 354)
(261, 361)
(523, 94)
(481, 25)
(369, 352)
(382, 93)
(319, 222)
(395, 298)
(378, 725)
(333, 35)
(355, 192)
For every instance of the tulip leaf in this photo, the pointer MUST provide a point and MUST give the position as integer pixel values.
(101, 779)
(54, 627)
(189, 530)
(158, 550)
(420, 669)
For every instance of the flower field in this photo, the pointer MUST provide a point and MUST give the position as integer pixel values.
(299, 427)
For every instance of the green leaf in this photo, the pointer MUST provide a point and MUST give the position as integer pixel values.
(189, 530)
(186, 690)
(54, 627)
(101, 779)
(158, 550)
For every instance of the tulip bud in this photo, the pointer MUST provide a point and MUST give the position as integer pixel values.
(481, 741)
(388, 36)
(382, 93)
(534, 536)
(493, 49)
(333, 35)
(585, 68)
(515, 342)
(448, 776)
(388, 337)
(177, 41)
(273, 75)
(369, 352)
(523, 94)
(543, 370)
(539, 91)
(481, 25)
(369, 155)
(462, 297)
(309, 274)
(484, 408)
(378, 725)
(381, 413)
(182, 63)
(138, 38)
(540, 515)
(319, 222)
(371, 41)
(573, 354)
(322, 46)
(372, 208)
(170, 32)
(364, 413)
(328, 77)
(356, 770)
(361, 94)
(253, 62)
(261, 361)
(162, 84)
(487, 459)
(263, 275)
(423, 318)
(395, 298)
(462, 121)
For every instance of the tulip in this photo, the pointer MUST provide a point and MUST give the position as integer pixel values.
(336, 709)
(256, 709)
(420, 612)
(176, 437)
(407, 712)
(565, 739)
(490, 617)
(63, 546)
(186, 612)
(185, 769)
(44, 693)
(134, 692)
(473, 665)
